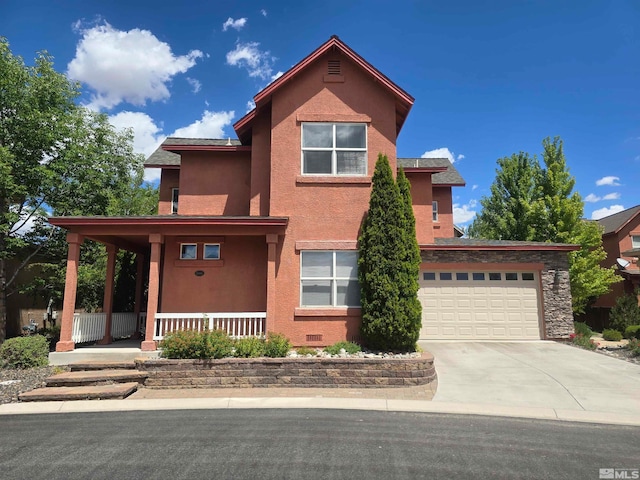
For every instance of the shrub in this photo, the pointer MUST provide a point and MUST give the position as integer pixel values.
(306, 351)
(584, 342)
(349, 347)
(277, 345)
(197, 345)
(25, 352)
(625, 313)
(582, 329)
(249, 347)
(52, 334)
(612, 335)
(634, 347)
(632, 331)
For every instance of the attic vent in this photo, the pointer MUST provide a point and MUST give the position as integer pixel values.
(333, 67)
(314, 338)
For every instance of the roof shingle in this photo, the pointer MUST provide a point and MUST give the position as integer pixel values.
(161, 158)
(615, 222)
(450, 177)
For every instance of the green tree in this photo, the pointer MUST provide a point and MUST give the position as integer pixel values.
(533, 203)
(383, 267)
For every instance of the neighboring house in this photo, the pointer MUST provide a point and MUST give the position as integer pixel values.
(620, 238)
(260, 233)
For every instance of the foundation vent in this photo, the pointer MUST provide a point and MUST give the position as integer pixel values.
(314, 338)
(333, 67)
(356, 339)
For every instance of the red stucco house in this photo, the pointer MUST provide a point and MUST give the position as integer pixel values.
(259, 233)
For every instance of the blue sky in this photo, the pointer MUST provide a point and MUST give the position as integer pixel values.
(489, 78)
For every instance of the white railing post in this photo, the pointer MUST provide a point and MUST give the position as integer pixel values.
(236, 324)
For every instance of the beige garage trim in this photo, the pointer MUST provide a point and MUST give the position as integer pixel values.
(480, 305)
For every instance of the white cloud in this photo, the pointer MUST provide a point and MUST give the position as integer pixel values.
(605, 212)
(250, 105)
(474, 187)
(611, 196)
(610, 180)
(126, 66)
(277, 75)
(460, 157)
(231, 23)
(146, 134)
(263, 12)
(443, 152)
(195, 84)
(464, 213)
(257, 62)
(592, 198)
(211, 125)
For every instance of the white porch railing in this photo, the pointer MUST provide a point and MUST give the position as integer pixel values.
(89, 327)
(236, 324)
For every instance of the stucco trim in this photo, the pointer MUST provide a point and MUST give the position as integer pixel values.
(326, 245)
(198, 263)
(333, 117)
(363, 180)
(328, 312)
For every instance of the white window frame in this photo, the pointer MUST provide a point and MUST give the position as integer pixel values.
(635, 241)
(434, 207)
(188, 244)
(334, 149)
(204, 251)
(334, 280)
(175, 195)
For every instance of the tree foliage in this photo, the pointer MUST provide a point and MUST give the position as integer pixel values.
(530, 202)
(387, 268)
(56, 158)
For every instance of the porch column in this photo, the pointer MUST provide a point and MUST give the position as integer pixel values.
(65, 344)
(107, 303)
(155, 239)
(272, 243)
(137, 306)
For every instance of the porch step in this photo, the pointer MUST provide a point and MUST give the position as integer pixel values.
(95, 377)
(116, 391)
(102, 365)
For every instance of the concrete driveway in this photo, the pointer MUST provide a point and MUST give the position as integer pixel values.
(534, 374)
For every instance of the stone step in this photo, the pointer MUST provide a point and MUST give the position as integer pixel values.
(102, 365)
(95, 377)
(115, 391)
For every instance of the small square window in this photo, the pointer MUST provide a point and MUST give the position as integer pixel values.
(445, 276)
(635, 241)
(429, 276)
(478, 276)
(462, 276)
(527, 276)
(495, 276)
(188, 251)
(212, 251)
(511, 276)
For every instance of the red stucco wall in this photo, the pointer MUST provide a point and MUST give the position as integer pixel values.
(443, 228)
(169, 179)
(421, 198)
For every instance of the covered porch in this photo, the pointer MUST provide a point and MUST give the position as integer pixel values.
(233, 292)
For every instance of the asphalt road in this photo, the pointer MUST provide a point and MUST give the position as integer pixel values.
(306, 444)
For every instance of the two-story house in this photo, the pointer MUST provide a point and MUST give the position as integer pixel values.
(259, 233)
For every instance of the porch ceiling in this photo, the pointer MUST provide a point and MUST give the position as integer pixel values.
(132, 233)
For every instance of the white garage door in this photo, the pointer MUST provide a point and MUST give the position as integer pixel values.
(478, 305)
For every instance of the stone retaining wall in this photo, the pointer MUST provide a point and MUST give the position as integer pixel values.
(289, 372)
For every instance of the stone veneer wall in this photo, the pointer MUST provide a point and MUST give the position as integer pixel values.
(289, 372)
(556, 295)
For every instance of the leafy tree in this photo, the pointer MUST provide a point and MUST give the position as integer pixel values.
(625, 312)
(533, 203)
(56, 158)
(384, 267)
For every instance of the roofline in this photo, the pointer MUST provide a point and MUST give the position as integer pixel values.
(157, 165)
(632, 217)
(169, 220)
(423, 169)
(464, 184)
(206, 148)
(558, 248)
(245, 120)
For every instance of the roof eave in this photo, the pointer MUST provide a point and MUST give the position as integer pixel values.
(558, 248)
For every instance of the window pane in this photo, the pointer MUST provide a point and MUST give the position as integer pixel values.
(527, 276)
(188, 251)
(351, 136)
(212, 251)
(354, 163)
(495, 276)
(462, 276)
(511, 276)
(478, 276)
(348, 293)
(635, 241)
(317, 264)
(429, 276)
(317, 162)
(174, 201)
(445, 276)
(347, 264)
(316, 293)
(317, 135)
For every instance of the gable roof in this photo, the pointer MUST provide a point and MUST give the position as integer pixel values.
(450, 177)
(404, 101)
(614, 223)
(164, 156)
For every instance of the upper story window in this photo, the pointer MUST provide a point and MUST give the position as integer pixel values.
(174, 201)
(434, 206)
(334, 149)
(635, 241)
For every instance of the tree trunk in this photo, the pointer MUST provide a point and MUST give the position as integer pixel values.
(3, 298)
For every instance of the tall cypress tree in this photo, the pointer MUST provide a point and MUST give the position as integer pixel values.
(382, 267)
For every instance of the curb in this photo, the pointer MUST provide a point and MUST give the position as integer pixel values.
(417, 406)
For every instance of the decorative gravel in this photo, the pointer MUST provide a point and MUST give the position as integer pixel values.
(15, 381)
(621, 353)
(364, 354)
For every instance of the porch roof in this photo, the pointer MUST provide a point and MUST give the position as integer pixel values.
(132, 233)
